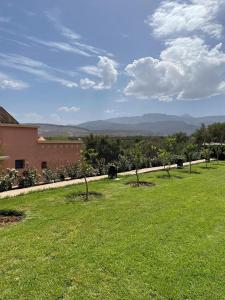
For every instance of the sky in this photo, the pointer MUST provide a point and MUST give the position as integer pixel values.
(68, 62)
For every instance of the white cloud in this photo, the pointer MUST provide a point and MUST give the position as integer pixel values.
(179, 18)
(33, 117)
(91, 70)
(65, 31)
(4, 20)
(7, 82)
(186, 69)
(60, 46)
(74, 38)
(110, 111)
(121, 100)
(68, 109)
(106, 71)
(68, 84)
(86, 83)
(35, 67)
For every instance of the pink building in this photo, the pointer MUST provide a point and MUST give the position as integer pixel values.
(20, 147)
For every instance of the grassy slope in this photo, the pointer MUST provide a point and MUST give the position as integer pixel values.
(164, 242)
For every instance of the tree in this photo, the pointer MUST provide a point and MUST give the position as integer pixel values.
(190, 153)
(137, 161)
(218, 151)
(202, 136)
(176, 142)
(216, 132)
(85, 170)
(103, 147)
(166, 159)
(206, 154)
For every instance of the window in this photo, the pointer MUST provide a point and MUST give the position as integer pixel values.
(19, 164)
(44, 165)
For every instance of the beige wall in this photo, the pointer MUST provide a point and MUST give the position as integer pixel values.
(19, 142)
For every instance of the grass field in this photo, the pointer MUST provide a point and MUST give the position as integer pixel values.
(160, 242)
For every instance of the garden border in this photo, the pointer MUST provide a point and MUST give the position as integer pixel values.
(17, 192)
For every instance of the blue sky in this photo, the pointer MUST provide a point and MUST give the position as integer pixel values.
(68, 61)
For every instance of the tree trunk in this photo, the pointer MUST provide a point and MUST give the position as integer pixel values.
(138, 182)
(87, 192)
(168, 172)
(190, 166)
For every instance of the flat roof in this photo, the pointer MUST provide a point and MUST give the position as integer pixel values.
(19, 126)
(60, 142)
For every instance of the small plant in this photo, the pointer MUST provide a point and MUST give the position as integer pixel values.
(28, 178)
(166, 158)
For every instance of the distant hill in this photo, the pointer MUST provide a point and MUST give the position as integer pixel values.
(148, 124)
(151, 124)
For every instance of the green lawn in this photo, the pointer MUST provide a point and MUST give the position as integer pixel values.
(162, 242)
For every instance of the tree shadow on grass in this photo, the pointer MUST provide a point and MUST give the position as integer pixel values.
(192, 172)
(208, 167)
(81, 196)
(171, 177)
(141, 184)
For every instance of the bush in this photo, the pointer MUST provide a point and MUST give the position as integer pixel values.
(101, 167)
(7, 180)
(29, 177)
(48, 175)
(73, 171)
(179, 161)
(61, 174)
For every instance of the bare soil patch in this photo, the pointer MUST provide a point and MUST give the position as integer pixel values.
(10, 216)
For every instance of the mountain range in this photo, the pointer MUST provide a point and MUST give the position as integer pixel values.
(145, 125)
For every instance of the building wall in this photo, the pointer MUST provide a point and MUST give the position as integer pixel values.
(21, 143)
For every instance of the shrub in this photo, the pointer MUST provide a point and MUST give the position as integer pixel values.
(29, 177)
(8, 180)
(48, 175)
(61, 174)
(179, 161)
(101, 167)
(73, 171)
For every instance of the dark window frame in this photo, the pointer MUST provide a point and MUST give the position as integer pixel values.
(44, 165)
(19, 164)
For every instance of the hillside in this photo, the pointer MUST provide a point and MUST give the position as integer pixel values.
(148, 124)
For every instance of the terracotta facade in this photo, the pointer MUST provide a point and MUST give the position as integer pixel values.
(21, 147)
